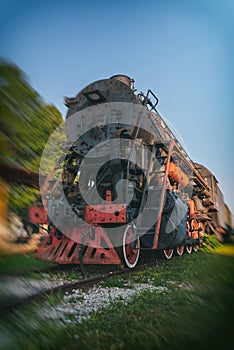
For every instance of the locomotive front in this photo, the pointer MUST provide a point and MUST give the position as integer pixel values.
(125, 185)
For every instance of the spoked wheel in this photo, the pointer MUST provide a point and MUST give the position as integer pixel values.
(195, 247)
(167, 253)
(180, 250)
(129, 252)
(189, 249)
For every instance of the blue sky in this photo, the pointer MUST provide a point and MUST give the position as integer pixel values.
(182, 50)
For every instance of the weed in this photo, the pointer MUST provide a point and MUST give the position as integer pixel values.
(54, 298)
(74, 299)
(120, 282)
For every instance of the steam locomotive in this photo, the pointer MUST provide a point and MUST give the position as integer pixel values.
(126, 185)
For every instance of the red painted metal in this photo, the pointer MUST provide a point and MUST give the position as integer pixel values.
(37, 215)
(107, 213)
(192, 210)
(108, 196)
(96, 248)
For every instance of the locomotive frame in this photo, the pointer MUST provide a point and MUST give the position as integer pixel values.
(181, 200)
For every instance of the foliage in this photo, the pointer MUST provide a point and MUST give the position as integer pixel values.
(210, 242)
(26, 124)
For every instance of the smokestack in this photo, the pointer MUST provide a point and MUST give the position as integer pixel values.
(123, 78)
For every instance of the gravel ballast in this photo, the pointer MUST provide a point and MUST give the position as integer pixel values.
(80, 304)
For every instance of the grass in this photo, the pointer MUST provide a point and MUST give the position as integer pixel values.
(225, 249)
(21, 264)
(54, 298)
(195, 313)
(69, 275)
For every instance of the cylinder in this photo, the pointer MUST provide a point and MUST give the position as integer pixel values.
(192, 211)
(177, 175)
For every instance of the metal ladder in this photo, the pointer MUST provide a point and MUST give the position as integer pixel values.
(155, 191)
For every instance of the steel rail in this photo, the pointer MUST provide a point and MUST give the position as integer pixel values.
(10, 305)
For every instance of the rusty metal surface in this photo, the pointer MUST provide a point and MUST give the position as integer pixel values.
(112, 90)
(97, 115)
(123, 78)
(96, 248)
(215, 202)
(109, 213)
(37, 215)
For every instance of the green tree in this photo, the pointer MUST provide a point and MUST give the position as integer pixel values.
(26, 123)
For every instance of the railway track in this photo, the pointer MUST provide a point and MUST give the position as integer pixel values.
(39, 296)
(96, 273)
